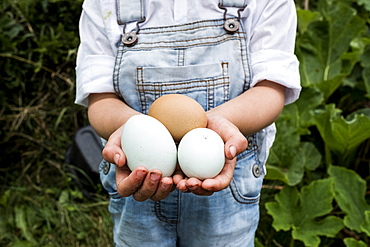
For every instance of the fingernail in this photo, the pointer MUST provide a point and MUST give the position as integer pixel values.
(116, 158)
(192, 188)
(141, 174)
(155, 176)
(233, 151)
(166, 186)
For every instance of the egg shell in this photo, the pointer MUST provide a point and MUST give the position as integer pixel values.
(201, 153)
(146, 142)
(179, 113)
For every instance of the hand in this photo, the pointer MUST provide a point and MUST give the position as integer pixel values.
(140, 183)
(235, 143)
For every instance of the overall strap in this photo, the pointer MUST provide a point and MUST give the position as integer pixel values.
(130, 11)
(241, 4)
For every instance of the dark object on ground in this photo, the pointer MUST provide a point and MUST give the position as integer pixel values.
(84, 156)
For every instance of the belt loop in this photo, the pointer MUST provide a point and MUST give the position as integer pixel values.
(241, 4)
(130, 11)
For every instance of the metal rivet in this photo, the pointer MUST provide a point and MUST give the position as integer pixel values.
(106, 168)
(256, 170)
(231, 25)
(129, 39)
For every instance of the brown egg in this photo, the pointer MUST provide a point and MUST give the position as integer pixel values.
(179, 113)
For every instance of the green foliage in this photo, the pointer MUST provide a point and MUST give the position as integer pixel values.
(299, 212)
(321, 157)
(39, 203)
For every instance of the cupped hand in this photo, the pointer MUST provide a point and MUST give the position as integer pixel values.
(235, 143)
(140, 183)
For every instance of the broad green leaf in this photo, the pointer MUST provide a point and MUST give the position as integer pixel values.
(298, 114)
(349, 192)
(328, 87)
(341, 135)
(299, 212)
(366, 225)
(305, 18)
(288, 160)
(304, 157)
(351, 242)
(321, 46)
(365, 3)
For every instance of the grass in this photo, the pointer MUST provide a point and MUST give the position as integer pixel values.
(40, 204)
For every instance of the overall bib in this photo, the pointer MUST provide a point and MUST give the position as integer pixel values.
(208, 61)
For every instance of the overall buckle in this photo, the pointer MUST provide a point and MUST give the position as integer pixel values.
(231, 25)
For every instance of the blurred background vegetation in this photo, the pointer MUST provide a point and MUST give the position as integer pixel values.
(328, 129)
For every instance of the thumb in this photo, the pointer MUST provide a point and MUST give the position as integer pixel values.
(112, 151)
(235, 145)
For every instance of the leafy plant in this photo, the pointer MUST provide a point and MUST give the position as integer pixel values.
(320, 157)
(39, 203)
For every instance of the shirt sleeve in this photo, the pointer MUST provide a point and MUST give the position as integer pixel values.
(272, 42)
(95, 57)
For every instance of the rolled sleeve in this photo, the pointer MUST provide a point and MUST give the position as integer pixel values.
(94, 75)
(280, 67)
(96, 53)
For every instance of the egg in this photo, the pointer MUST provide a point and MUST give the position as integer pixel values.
(179, 113)
(146, 142)
(201, 153)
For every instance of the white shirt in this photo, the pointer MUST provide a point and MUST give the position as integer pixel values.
(270, 24)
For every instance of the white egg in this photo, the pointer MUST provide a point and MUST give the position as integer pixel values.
(201, 153)
(146, 142)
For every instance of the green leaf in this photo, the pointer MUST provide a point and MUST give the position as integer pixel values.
(321, 46)
(366, 4)
(288, 160)
(349, 192)
(328, 87)
(305, 18)
(298, 114)
(299, 212)
(341, 135)
(21, 221)
(305, 156)
(351, 242)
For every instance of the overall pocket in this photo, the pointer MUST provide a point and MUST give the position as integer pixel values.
(208, 83)
(248, 177)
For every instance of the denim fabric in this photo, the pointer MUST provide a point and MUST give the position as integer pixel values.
(207, 63)
(227, 218)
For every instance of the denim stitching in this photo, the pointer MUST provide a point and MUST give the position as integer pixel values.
(182, 27)
(160, 216)
(225, 70)
(172, 44)
(186, 85)
(140, 88)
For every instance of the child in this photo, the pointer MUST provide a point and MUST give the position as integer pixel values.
(236, 58)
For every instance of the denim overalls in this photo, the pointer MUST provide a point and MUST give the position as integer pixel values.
(208, 61)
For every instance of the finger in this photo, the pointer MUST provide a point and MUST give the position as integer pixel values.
(181, 185)
(129, 182)
(235, 144)
(112, 151)
(149, 186)
(222, 180)
(164, 188)
(195, 186)
(178, 175)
